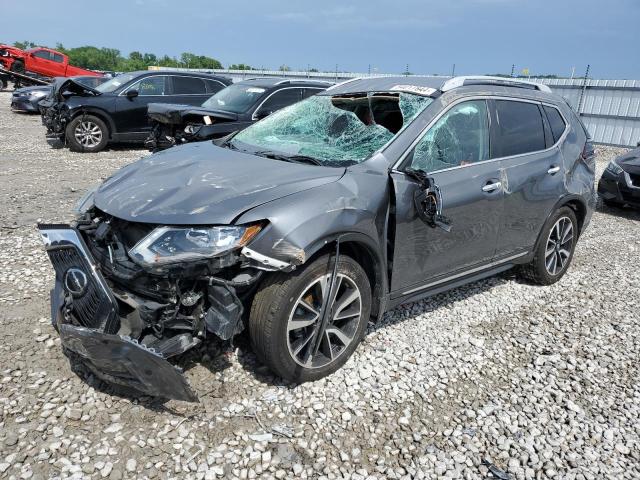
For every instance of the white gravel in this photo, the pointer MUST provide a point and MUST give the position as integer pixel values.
(540, 382)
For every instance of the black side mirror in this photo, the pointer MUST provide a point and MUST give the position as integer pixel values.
(131, 94)
(263, 114)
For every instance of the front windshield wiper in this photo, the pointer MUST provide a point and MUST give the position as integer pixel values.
(294, 158)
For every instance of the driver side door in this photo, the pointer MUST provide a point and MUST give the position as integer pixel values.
(131, 112)
(455, 151)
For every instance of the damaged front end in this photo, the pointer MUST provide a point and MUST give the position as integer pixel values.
(178, 124)
(56, 113)
(126, 320)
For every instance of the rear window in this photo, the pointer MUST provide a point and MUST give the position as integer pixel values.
(213, 86)
(188, 86)
(520, 128)
(555, 121)
(57, 58)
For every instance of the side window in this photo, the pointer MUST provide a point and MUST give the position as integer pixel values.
(520, 128)
(57, 58)
(188, 86)
(42, 54)
(555, 121)
(213, 86)
(459, 137)
(151, 86)
(308, 92)
(281, 99)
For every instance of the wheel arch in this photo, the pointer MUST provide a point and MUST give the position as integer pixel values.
(364, 251)
(576, 203)
(96, 112)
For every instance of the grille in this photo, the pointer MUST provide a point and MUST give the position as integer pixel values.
(93, 309)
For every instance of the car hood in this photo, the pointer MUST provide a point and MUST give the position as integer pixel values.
(630, 161)
(37, 88)
(168, 113)
(202, 184)
(72, 86)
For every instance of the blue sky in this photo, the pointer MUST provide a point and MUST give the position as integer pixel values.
(479, 36)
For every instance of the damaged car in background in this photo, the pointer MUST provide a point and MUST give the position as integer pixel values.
(309, 224)
(27, 99)
(620, 181)
(230, 110)
(87, 119)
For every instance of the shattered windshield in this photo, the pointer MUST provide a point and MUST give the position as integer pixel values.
(235, 98)
(115, 83)
(339, 130)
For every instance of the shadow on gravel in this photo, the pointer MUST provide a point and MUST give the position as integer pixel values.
(628, 213)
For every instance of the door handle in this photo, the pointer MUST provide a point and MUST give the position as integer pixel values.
(490, 187)
(553, 170)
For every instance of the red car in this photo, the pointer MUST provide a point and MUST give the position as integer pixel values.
(40, 60)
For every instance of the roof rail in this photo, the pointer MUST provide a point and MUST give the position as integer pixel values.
(303, 80)
(486, 80)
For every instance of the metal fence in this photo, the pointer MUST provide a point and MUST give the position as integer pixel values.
(610, 109)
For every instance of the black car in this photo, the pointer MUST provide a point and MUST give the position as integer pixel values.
(620, 181)
(87, 118)
(230, 110)
(316, 220)
(26, 99)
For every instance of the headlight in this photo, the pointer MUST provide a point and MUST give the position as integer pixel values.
(167, 245)
(614, 168)
(37, 94)
(86, 201)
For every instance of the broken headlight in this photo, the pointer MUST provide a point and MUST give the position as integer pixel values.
(614, 168)
(166, 245)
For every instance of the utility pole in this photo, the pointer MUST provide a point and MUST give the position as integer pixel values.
(573, 72)
(369, 69)
(584, 88)
(453, 70)
(336, 72)
(513, 70)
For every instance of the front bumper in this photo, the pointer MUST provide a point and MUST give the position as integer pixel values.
(85, 313)
(23, 104)
(619, 188)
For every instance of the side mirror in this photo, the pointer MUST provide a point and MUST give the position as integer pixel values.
(263, 114)
(131, 94)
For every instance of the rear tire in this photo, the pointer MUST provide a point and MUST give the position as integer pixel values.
(18, 67)
(555, 249)
(286, 308)
(87, 133)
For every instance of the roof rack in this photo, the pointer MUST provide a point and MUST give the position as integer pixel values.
(486, 80)
(303, 80)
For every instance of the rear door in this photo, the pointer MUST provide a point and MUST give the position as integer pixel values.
(188, 90)
(533, 170)
(456, 153)
(131, 113)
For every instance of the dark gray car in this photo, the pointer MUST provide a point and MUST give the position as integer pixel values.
(316, 220)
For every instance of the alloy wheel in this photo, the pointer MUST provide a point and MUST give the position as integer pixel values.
(304, 324)
(88, 134)
(559, 246)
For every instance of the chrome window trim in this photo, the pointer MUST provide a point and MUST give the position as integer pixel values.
(124, 92)
(253, 115)
(136, 82)
(396, 166)
(465, 273)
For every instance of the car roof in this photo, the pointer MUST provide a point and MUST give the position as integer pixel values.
(268, 82)
(430, 86)
(139, 73)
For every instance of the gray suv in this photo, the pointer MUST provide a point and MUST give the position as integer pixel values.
(315, 221)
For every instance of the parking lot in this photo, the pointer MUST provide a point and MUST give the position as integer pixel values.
(499, 375)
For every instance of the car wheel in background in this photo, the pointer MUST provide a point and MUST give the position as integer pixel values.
(286, 315)
(555, 248)
(87, 133)
(18, 66)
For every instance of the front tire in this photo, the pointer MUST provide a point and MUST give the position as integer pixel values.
(87, 133)
(555, 248)
(286, 312)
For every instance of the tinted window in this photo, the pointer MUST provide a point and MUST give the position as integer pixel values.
(57, 57)
(151, 86)
(555, 121)
(520, 128)
(42, 54)
(459, 137)
(213, 86)
(188, 86)
(281, 99)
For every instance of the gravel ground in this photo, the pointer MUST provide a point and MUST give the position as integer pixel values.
(540, 382)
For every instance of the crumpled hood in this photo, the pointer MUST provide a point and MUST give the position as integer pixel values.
(62, 84)
(630, 161)
(168, 113)
(202, 184)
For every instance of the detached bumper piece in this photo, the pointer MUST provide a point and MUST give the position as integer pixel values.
(85, 313)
